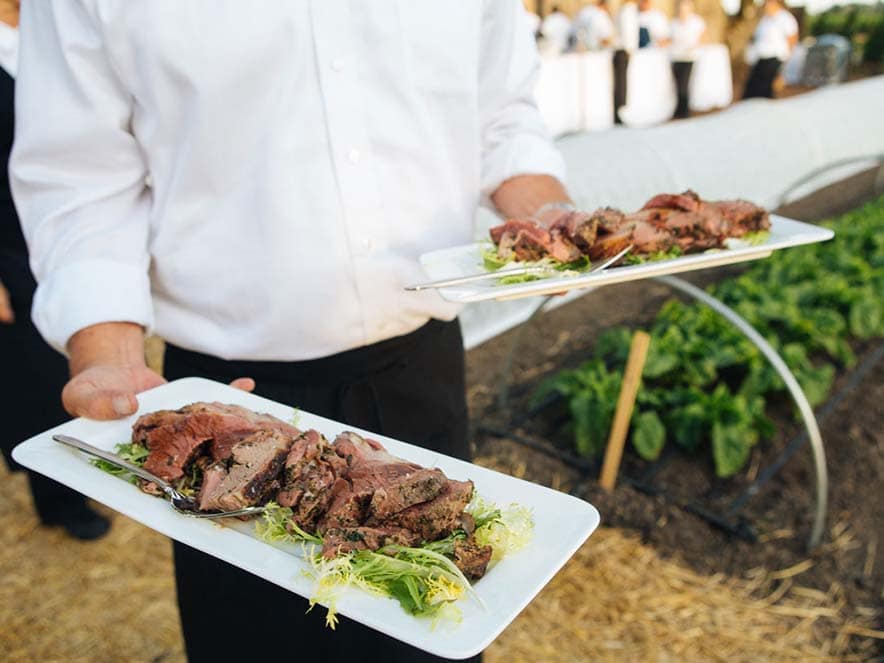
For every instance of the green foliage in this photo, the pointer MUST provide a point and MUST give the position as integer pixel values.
(134, 453)
(704, 382)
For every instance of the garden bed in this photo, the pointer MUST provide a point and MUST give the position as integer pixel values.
(660, 500)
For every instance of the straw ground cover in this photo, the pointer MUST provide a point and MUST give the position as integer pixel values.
(617, 600)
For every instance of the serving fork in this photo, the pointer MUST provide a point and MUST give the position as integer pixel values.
(179, 502)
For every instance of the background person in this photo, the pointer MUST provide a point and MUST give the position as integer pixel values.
(653, 25)
(556, 31)
(593, 27)
(687, 31)
(627, 42)
(773, 41)
(38, 371)
(301, 159)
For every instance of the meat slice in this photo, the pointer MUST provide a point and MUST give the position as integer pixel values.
(311, 470)
(525, 239)
(248, 475)
(176, 437)
(579, 228)
(688, 201)
(471, 558)
(744, 217)
(376, 484)
(437, 517)
(339, 541)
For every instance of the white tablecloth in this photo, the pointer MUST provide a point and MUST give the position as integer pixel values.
(650, 88)
(711, 82)
(558, 93)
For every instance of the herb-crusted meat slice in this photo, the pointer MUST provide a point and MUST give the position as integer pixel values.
(471, 558)
(311, 469)
(437, 517)
(688, 201)
(375, 483)
(177, 437)
(525, 239)
(248, 475)
(744, 217)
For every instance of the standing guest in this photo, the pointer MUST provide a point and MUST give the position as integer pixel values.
(556, 31)
(773, 41)
(653, 25)
(687, 31)
(627, 42)
(301, 159)
(38, 371)
(594, 29)
(532, 22)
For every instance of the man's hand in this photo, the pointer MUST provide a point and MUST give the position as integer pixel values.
(522, 196)
(108, 370)
(7, 315)
(108, 392)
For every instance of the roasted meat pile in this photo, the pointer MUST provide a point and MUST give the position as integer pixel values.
(666, 221)
(351, 491)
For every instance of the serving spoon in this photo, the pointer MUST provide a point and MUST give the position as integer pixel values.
(179, 502)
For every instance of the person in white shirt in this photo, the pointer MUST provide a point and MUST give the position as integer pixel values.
(773, 41)
(532, 23)
(627, 42)
(556, 31)
(593, 26)
(686, 31)
(256, 187)
(652, 23)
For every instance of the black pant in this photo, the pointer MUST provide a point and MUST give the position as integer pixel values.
(621, 64)
(410, 387)
(682, 73)
(761, 78)
(39, 374)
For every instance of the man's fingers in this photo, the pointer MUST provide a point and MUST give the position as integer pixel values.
(7, 316)
(246, 384)
(93, 404)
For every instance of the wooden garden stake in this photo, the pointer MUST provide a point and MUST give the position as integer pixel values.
(638, 352)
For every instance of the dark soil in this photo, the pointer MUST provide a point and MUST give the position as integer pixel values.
(660, 500)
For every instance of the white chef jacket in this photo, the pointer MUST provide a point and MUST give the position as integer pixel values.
(556, 30)
(771, 38)
(594, 26)
(301, 155)
(656, 23)
(627, 26)
(686, 35)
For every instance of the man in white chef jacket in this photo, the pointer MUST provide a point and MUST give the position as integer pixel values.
(300, 157)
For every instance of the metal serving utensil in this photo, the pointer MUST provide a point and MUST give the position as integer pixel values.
(518, 271)
(179, 502)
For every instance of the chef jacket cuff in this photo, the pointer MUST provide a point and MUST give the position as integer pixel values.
(88, 292)
(525, 154)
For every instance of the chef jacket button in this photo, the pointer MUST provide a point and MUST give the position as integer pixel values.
(337, 64)
(354, 155)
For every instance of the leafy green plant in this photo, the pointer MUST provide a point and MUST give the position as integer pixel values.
(704, 383)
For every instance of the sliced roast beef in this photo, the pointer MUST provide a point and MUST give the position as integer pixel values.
(437, 517)
(471, 558)
(688, 201)
(339, 540)
(525, 239)
(176, 437)
(311, 469)
(248, 475)
(744, 216)
(376, 483)
(579, 228)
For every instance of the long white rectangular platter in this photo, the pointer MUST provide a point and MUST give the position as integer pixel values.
(467, 260)
(562, 522)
